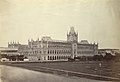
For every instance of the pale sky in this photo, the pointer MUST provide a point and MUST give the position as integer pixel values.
(94, 20)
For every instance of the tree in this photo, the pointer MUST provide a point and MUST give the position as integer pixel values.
(109, 56)
(98, 57)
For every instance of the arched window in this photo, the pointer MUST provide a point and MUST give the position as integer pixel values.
(57, 52)
(48, 58)
(55, 57)
(48, 51)
(63, 57)
(53, 52)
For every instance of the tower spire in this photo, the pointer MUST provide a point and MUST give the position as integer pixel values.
(72, 31)
(72, 36)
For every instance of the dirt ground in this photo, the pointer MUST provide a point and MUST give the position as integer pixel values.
(111, 69)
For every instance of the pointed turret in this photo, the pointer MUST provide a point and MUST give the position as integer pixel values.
(72, 36)
(72, 31)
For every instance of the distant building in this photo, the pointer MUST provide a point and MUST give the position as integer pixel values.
(111, 51)
(9, 51)
(6, 54)
(48, 49)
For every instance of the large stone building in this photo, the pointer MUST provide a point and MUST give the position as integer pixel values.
(48, 49)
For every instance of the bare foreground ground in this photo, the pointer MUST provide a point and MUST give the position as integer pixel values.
(109, 69)
(16, 74)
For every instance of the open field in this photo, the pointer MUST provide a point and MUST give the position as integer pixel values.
(16, 74)
(109, 69)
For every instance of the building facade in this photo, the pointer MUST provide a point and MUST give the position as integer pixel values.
(8, 51)
(48, 49)
(9, 54)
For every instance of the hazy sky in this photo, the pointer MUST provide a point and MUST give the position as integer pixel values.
(95, 20)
